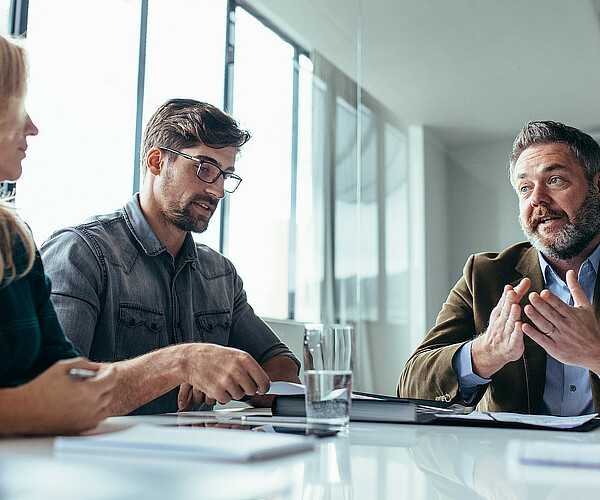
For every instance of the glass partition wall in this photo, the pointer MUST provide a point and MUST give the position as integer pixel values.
(381, 131)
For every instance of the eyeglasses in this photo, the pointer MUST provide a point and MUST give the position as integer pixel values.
(208, 172)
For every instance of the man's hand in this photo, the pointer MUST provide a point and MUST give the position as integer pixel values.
(215, 373)
(569, 334)
(502, 342)
(189, 397)
(277, 368)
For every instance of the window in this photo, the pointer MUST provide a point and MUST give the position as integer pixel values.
(311, 239)
(4, 9)
(260, 210)
(185, 57)
(397, 234)
(82, 97)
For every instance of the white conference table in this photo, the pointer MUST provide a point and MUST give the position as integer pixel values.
(372, 461)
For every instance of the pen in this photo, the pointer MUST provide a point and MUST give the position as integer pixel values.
(81, 374)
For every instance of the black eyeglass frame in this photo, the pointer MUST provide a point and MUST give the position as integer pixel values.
(226, 175)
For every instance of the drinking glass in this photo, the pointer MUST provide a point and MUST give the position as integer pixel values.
(328, 363)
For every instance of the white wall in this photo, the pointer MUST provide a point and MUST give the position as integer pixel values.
(436, 226)
(482, 205)
(461, 203)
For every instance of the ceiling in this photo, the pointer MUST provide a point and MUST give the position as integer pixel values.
(471, 70)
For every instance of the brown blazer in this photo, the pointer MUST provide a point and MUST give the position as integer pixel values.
(518, 386)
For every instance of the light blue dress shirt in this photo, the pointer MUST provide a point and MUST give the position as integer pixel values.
(567, 391)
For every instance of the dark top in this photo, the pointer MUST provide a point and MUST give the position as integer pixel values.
(31, 337)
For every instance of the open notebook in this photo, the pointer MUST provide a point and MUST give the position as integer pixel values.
(191, 443)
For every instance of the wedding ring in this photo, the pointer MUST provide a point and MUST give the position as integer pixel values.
(549, 334)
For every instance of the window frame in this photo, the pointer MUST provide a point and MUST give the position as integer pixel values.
(18, 17)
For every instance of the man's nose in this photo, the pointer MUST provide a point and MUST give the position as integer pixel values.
(216, 189)
(540, 196)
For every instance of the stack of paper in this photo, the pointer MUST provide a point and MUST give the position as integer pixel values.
(196, 443)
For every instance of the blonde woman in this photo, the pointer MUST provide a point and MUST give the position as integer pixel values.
(38, 393)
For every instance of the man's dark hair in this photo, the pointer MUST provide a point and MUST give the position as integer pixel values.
(182, 123)
(583, 146)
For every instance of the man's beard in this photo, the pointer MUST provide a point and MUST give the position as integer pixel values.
(574, 236)
(181, 214)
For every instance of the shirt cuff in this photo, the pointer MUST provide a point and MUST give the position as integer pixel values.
(468, 381)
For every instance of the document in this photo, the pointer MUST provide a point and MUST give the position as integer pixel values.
(286, 389)
(191, 443)
(549, 421)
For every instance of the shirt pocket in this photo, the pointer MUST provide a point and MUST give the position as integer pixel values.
(213, 327)
(139, 330)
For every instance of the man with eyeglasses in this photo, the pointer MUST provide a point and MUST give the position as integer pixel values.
(133, 287)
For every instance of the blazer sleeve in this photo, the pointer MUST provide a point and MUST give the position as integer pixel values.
(428, 374)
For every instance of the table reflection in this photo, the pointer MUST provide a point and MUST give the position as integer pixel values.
(328, 473)
(478, 466)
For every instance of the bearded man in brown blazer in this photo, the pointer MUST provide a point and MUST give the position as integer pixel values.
(519, 332)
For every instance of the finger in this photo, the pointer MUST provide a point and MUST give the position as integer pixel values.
(247, 385)
(210, 401)
(260, 378)
(516, 337)
(185, 396)
(538, 319)
(509, 296)
(198, 397)
(543, 340)
(513, 316)
(105, 381)
(497, 311)
(579, 297)
(522, 287)
(549, 306)
(223, 397)
(236, 392)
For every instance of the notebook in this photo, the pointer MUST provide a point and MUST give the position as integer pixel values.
(145, 440)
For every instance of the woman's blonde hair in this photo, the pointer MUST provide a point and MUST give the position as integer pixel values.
(13, 232)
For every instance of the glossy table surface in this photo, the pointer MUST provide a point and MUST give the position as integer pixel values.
(371, 461)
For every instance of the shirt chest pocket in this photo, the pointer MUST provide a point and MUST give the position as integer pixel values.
(214, 327)
(139, 331)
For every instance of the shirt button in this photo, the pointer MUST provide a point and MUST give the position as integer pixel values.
(572, 388)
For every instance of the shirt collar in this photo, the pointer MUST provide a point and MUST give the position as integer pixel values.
(548, 272)
(146, 237)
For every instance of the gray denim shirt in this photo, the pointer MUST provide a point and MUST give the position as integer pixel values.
(119, 293)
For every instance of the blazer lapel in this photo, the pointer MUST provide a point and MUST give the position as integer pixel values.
(534, 356)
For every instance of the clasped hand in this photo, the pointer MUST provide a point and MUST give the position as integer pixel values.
(569, 334)
(502, 342)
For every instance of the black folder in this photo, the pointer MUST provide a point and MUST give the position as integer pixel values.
(378, 409)
(408, 410)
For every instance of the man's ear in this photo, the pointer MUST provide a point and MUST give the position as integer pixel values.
(154, 161)
(596, 182)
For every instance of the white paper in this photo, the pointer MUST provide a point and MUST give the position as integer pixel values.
(286, 389)
(550, 421)
(290, 389)
(178, 442)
